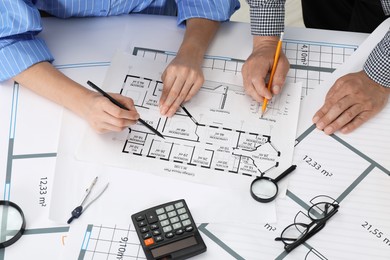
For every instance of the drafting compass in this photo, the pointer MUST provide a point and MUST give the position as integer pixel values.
(76, 213)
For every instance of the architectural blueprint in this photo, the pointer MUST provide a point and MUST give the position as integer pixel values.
(310, 62)
(329, 169)
(28, 164)
(219, 132)
(360, 230)
(29, 138)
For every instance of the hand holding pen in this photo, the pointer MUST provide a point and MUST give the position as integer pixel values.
(259, 65)
(120, 105)
(105, 116)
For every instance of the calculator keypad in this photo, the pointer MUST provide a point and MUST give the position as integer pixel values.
(164, 223)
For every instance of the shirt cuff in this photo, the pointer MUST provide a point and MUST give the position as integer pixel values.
(377, 66)
(20, 55)
(267, 19)
(212, 10)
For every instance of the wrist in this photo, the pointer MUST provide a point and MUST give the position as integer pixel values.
(192, 52)
(260, 41)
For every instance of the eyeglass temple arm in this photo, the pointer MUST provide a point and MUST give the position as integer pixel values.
(319, 225)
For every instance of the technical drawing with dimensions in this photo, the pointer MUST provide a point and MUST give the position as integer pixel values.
(310, 62)
(187, 141)
(219, 130)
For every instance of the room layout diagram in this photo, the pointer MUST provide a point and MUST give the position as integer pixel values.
(31, 154)
(220, 130)
(310, 62)
(121, 242)
(190, 141)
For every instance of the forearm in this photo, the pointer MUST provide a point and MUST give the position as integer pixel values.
(183, 76)
(197, 38)
(45, 80)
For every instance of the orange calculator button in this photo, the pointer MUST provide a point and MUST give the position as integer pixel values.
(149, 241)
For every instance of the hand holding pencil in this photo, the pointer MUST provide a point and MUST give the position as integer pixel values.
(271, 77)
(120, 105)
(105, 116)
(265, 59)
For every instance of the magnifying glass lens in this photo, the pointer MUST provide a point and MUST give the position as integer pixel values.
(12, 223)
(264, 189)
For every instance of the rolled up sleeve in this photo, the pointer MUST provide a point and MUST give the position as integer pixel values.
(20, 48)
(377, 66)
(216, 10)
(267, 17)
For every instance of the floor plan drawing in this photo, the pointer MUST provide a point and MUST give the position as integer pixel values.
(33, 164)
(310, 62)
(29, 143)
(110, 242)
(211, 146)
(219, 130)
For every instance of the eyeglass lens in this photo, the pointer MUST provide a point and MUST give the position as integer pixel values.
(297, 233)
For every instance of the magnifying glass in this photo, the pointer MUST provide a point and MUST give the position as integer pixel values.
(12, 223)
(265, 189)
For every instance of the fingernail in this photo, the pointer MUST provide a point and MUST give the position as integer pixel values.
(163, 110)
(276, 89)
(320, 125)
(170, 113)
(315, 119)
(328, 130)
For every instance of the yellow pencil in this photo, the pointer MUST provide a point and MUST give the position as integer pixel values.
(276, 59)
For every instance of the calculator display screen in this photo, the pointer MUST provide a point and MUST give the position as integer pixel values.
(172, 247)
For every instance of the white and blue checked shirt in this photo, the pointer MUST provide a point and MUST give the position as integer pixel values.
(20, 22)
(267, 19)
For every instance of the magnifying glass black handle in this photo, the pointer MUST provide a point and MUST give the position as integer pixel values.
(76, 213)
(285, 173)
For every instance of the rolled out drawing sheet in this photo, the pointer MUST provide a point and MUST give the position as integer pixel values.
(373, 137)
(217, 138)
(131, 190)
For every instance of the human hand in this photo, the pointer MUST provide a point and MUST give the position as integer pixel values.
(259, 64)
(350, 102)
(182, 79)
(104, 116)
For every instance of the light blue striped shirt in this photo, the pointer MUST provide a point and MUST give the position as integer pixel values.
(20, 22)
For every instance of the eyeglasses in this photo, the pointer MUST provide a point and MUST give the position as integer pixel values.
(297, 233)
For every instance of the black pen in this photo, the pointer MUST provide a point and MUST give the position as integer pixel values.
(101, 91)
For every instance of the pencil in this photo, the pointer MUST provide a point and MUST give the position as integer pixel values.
(275, 64)
(101, 91)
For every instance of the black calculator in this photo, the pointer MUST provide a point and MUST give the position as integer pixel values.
(168, 231)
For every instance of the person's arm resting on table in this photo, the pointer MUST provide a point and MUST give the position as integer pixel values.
(267, 23)
(183, 77)
(98, 111)
(26, 59)
(357, 97)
